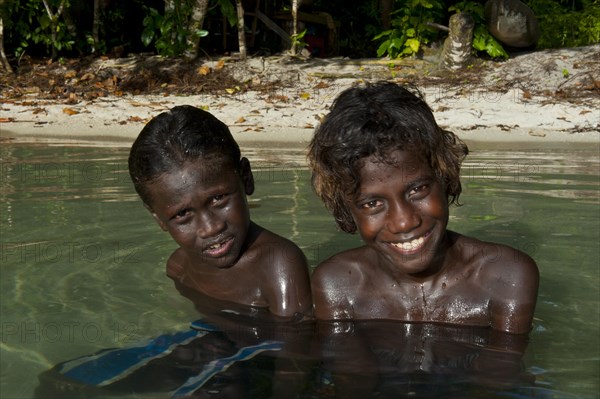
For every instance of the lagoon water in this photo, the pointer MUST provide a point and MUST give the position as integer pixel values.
(82, 262)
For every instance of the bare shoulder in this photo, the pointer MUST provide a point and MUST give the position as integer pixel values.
(344, 266)
(279, 252)
(498, 261)
(509, 277)
(284, 275)
(176, 265)
(337, 283)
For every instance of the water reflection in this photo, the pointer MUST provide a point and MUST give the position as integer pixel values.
(242, 352)
(233, 351)
(392, 359)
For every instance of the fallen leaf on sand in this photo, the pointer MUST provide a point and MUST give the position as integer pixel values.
(322, 85)
(276, 98)
(87, 76)
(4, 120)
(70, 111)
(203, 70)
(241, 120)
(233, 89)
(39, 111)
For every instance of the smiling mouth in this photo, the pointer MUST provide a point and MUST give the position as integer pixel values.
(412, 245)
(219, 248)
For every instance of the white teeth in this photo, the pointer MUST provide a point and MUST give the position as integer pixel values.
(411, 245)
(215, 246)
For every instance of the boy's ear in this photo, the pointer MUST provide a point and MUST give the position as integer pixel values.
(247, 177)
(156, 218)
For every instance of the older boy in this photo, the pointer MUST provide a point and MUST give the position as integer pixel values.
(187, 169)
(384, 167)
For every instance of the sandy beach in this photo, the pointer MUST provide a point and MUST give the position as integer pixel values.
(539, 98)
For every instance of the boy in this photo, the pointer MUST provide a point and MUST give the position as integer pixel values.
(383, 166)
(187, 169)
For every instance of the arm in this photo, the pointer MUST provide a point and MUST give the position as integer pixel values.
(512, 278)
(287, 283)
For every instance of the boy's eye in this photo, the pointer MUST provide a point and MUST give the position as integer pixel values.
(217, 198)
(370, 204)
(421, 190)
(181, 214)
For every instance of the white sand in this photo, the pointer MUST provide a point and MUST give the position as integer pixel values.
(489, 112)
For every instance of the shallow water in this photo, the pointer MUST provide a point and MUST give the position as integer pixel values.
(82, 262)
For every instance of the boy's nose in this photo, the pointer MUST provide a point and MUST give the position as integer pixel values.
(209, 225)
(402, 217)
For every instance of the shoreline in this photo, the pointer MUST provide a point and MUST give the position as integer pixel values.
(524, 101)
(290, 137)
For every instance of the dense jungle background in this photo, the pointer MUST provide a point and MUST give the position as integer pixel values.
(42, 38)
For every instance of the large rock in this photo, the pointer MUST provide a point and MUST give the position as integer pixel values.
(512, 23)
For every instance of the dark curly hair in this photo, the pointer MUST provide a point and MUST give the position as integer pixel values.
(374, 120)
(172, 138)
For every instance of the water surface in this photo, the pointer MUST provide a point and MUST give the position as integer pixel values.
(82, 262)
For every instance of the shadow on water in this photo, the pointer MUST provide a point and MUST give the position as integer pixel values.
(240, 352)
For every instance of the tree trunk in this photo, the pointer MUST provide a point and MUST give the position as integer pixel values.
(386, 7)
(199, 10)
(456, 53)
(241, 29)
(96, 24)
(294, 27)
(5, 62)
(53, 24)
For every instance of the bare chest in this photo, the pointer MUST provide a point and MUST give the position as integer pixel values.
(465, 303)
(228, 285)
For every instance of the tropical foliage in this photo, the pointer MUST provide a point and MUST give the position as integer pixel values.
(483, 41)
(58, 28)
(567, 23)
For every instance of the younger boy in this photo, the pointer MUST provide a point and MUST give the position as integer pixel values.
(383, 166)
(187, 169)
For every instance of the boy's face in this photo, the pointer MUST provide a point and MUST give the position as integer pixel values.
(401, 211)
(203, 207)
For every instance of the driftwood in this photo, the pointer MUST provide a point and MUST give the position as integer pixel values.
(456, 53)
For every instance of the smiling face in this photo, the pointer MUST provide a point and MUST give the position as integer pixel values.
(401, 211)
(203, 207)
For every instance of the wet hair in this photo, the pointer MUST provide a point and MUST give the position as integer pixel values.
(377, 119)
(173, 138)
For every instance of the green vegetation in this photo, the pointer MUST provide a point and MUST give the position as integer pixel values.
(169, 31)
(483, 41)
(410, 30)
(567, 23)
(62, 28)
(30, 24)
